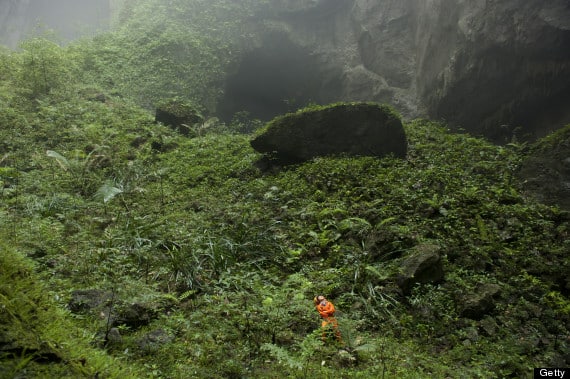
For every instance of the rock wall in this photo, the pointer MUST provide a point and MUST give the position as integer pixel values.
(13, 21)
(495, 68)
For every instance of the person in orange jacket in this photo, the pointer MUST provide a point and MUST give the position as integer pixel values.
(326, 310)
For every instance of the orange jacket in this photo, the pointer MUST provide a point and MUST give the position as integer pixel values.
(325, 309)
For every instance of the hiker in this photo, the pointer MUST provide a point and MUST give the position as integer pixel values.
(326, 310)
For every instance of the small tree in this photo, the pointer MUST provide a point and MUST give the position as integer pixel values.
(44, 68)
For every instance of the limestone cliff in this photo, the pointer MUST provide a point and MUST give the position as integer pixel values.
(496, 68)
(13, 21)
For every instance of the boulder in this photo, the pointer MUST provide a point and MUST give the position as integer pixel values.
(107, 306)
(89, 301)
(424, 265)
(152, 341)
(359, 129)
(179, 116)
(481, 302)
(135, 315)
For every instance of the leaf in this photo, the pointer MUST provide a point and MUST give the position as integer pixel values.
(385, 221)
(61, 160)
(282, 356)
(107, 192)
(355, 224)
(369, 347)
(377, 273)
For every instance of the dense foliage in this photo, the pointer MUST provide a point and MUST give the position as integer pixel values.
(219, 262)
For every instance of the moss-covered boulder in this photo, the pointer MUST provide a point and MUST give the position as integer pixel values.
(479, 303)
(179, 115)
(361, 129)
(423, 265)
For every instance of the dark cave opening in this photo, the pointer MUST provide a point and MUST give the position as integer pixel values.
(273, 79)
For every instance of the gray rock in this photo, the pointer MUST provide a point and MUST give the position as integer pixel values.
(364, 129)
(481, 302)
(179, 116)
(135, 315)
(488, 326)
(153, 340)
(424, 265)
(89, 300)
(496, 68)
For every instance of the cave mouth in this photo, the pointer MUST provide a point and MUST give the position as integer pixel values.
(273, 79)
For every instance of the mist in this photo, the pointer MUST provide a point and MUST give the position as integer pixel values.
(67, 19)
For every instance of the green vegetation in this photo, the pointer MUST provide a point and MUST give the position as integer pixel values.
(128, 250)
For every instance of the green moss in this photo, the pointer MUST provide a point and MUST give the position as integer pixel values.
(560, 137)
(180, 108)
(290, 117)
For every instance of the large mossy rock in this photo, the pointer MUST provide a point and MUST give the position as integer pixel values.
(359, 129)
(180, 116)
(423, 265)
(479, 303)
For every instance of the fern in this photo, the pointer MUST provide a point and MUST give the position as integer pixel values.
(282, 356)
(60, 159)
(107, 192)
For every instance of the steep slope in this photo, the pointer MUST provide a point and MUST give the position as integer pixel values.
(173, 255)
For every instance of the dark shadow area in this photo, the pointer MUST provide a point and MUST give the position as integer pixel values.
(276, 78)
(507, 93)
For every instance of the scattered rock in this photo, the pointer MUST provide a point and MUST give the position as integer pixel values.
(424, 265)
(154, 340)
(100, 303)
(360, 129)
(114, 337)
(100, 97)
(481, 302)
(488, 326)
(179, 116)
(135, 315)
(163, 147)
(89, 301)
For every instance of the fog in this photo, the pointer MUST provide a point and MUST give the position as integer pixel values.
(67, 19)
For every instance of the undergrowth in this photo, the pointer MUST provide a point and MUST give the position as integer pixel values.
(129, 250)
